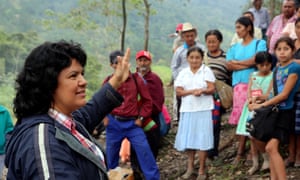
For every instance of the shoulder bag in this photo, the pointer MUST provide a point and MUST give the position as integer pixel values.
(148, 123)
(225, 93)
(262, 124)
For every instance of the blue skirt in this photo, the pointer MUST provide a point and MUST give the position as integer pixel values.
(195, 131)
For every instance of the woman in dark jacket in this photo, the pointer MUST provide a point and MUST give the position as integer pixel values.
(52, 139)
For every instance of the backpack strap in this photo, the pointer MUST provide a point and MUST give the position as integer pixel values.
(274, 81)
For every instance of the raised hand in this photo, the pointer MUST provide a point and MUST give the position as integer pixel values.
(122, 71)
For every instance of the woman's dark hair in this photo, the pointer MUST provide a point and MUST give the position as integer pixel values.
(287, 40)
(215, 32)
(249, 12)
(263, 56)
(38, 80)
(195, 48)
(297, 20)
(245, 21)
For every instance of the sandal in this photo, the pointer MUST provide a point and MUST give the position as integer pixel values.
(201, 177)
(187, 174)
(252, 170)
(237, 159)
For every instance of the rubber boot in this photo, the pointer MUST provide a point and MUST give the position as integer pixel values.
(254, 167)
(265, 164)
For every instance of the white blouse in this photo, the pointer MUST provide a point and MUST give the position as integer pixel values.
(189, 80)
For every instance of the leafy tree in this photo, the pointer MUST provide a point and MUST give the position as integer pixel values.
(14, 49)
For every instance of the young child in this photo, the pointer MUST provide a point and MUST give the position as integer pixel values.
(287, 81)
(260, 86)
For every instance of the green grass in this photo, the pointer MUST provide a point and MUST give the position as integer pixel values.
(164, 72)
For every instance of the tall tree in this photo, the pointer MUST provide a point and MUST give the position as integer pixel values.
(272, 8)
(147, 19)
(123, 31)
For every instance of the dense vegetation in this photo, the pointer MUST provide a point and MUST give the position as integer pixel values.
(96, 25)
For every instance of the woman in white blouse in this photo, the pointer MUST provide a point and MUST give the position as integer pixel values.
(195, 85)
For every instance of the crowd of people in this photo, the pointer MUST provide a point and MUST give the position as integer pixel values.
(259, 46)
(52, 136)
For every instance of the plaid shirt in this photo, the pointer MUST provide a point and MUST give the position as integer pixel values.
(70, 124)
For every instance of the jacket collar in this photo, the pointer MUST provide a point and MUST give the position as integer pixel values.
(75, 145)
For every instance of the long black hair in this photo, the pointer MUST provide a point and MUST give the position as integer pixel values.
(245, 21)
(38, 80)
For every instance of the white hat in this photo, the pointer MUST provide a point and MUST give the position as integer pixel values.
(187, 27)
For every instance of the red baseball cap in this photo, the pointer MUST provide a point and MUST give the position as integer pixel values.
(179, 27)
(143, 53)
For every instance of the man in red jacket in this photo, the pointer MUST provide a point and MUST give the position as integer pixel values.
(126, 121)
(155, 87)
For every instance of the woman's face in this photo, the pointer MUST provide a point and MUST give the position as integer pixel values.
(241, 30)
(284, 53)
(70, 92)
(297, 29)
(212, 43)
(195, 60)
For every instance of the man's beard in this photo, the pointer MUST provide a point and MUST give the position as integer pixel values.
(142, 69)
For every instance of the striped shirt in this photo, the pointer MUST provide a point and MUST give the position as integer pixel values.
(71, 125)
(218, 66)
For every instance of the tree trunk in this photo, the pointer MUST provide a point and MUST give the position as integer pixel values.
(272, 8)
(147, 17)
(123, 31)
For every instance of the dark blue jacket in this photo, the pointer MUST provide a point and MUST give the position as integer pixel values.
(41, 148)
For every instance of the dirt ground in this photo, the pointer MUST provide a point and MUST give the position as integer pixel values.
(172, 164)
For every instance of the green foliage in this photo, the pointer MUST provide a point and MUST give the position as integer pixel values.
(96, 24)
(92, 74)
(164, 72)
(14, 48)
(7, 91)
